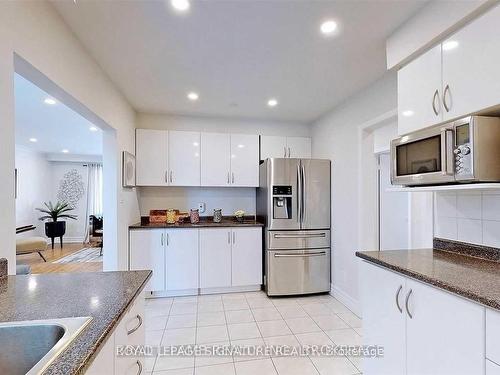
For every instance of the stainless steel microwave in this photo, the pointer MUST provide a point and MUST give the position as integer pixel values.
(465, 150)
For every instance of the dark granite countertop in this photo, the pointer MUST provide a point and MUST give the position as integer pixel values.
(205, 222)
(467, 276)
(105, 296)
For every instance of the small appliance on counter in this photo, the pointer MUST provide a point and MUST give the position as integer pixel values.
(461, 151)
(293, 200)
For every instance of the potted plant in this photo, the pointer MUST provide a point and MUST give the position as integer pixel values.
(56, 228)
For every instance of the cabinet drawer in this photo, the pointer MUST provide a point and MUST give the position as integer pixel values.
(493, 335)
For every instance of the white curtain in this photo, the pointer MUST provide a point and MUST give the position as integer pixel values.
(94, 194)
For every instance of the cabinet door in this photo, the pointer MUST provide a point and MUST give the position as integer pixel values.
(383, 318)
(492, 368)
(151, 157)
(182, 259)
(246, 259)
(244, 160)
(147, 252)
(445, 334)
(184, 158)
(419, 86)
(298, 147)
(215, 159)
(471, 58)
(493, 335)
(215, 258)
(272, 147)
(104, 362)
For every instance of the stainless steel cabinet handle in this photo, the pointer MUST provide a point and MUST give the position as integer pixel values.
(306, 255)
(436, 95)
(162, 241)
(284, 149)
(397, 299)
(312, 235)
(168, 239)
(139, 318)
(229, 238)
(446, 90)
(288, 151)
(232, 179)
(228, 178)
(234, 237)
(406, 304)
(139, 365)
(170, 176)
(166, 176)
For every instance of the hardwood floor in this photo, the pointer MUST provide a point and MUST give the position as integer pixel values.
(39, 266)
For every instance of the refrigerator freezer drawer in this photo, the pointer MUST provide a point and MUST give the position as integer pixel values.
(297, 272)
(298, 239)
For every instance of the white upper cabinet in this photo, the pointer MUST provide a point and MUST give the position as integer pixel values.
(272, 147)
(215, 159)
(184, 158)
(471, 60)
(182, 259)
(151, 157)
(246, 258)
(298, 147)
(244, 160)
(419, 92)
(284, 147)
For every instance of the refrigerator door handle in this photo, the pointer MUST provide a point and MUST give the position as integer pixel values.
(299, 195)
(303, 194)
(312, 235)
(300, 255)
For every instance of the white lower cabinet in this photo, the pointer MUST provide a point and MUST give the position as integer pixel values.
(493, 336)
(246, 257)
(492, 368)
(147, 252)
(129, 332)
(424, 330)
(182, 259)
(215, 258)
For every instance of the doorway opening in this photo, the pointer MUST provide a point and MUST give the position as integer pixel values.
(59, 170)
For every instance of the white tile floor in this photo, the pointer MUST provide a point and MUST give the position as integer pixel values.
(251, 319)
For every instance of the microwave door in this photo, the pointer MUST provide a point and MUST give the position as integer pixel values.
(315, 194)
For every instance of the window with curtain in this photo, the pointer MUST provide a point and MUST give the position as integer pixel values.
(94, 193)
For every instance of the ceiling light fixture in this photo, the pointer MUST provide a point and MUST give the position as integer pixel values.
(180, 5)
(328, 27)
(449, 45)
(93, 129)
(50, 101)
(272, 102)
(192, 96)
(34, 140)
(65, 151)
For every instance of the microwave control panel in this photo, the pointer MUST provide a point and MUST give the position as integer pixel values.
(463, 152)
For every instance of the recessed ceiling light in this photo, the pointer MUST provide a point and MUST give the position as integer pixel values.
(93, 129)
(407, 113)
(192, 96)
(328, 27)
(50, 101)
(34, 140)
(180, 5)
(449, 45)
(272, 102)
(65, 151)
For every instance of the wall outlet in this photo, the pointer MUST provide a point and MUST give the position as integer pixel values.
(201, 207)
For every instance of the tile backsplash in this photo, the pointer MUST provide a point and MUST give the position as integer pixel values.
(472, 217)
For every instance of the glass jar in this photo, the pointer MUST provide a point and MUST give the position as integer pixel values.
(171, 216)
(217, 215)
(194, 216)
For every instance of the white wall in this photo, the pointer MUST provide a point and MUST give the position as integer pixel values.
(335, 136)
(472, 217)
(34, 188)
(35, 31)
(229, 199)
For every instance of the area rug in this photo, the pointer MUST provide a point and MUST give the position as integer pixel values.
(88, 254)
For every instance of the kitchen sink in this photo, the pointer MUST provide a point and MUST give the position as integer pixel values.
(29, 347)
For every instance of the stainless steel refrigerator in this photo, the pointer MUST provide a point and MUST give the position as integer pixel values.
(293, 199)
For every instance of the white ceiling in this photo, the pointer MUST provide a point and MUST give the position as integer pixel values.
(238, 54)
(56, 127)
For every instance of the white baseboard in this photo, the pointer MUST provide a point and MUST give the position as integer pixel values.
(67, 240)
(351, 303)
